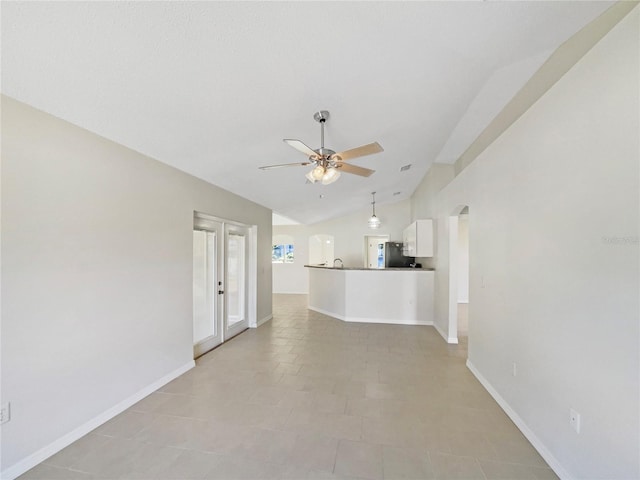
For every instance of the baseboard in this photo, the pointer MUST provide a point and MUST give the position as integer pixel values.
(41, 455)
(370, 320)
(291, 293)
(440, 331)
(387, 321)
(452, 340)
(264, 320)
(325, 312)
(522, 426)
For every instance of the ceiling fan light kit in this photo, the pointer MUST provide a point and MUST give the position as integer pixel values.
(327, 164)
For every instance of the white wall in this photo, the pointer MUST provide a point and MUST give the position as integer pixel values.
(348, 232)
(423, 203)
(96, 273)
(292, 277)
(321, 250)
(288, 277)
(423, 200)
(554, 279)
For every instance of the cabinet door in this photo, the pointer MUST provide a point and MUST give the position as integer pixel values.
(405, 243)
(409, 241)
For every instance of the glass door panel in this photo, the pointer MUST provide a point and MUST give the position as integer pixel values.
(203, 326)
(236, 279)
(207, 306)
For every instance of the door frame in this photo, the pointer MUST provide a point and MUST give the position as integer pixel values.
(366, 247)
(454, 266)
(200, 221)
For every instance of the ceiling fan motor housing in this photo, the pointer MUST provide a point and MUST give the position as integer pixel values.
(326, 158)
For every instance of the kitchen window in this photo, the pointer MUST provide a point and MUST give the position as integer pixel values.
(282, 254)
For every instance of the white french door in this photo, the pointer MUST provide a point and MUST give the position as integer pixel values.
(236, 279)
(207, 277)
(220, 283)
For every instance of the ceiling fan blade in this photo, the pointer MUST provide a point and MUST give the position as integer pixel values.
(348, 168)
(269, 167)
(298, 145)
(359, 151)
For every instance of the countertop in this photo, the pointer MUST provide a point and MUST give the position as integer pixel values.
(372, 269)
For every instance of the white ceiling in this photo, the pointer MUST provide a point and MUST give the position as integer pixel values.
(212, 88)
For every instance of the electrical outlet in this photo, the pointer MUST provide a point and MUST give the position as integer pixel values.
(515, 369)
(5, 413)
(574, 420)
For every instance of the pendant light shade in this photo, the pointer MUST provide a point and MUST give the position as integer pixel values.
(317, 173)
(330, 176)
(374, 222)
(309, 176)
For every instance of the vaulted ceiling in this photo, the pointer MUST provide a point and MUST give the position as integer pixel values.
(212, 88)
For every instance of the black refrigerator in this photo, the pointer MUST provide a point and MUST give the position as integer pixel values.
(393, 256)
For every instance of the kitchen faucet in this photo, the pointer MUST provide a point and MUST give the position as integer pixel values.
(338, 260)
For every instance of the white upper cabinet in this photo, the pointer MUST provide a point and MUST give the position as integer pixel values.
(417, 239)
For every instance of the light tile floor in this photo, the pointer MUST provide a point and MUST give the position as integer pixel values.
(307, 396)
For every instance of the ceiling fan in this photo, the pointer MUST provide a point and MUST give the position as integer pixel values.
(327, 163)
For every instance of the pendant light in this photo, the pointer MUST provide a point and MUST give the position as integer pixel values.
(374, 222)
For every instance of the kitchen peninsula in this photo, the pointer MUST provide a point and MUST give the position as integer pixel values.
(392, 295)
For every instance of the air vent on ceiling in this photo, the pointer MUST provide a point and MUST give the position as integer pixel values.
(405, 168)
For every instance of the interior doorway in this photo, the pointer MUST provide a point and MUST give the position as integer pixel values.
(220, 282)
(463, 273)
(458, 274)
(374, 250)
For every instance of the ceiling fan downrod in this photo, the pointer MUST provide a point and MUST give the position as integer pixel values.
(321, 117)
